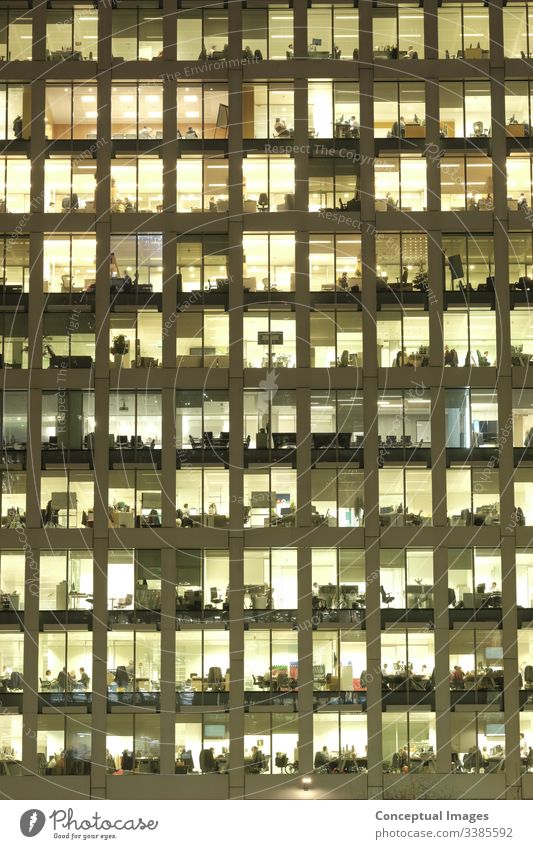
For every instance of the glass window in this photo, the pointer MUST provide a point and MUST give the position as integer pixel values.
(15, 111)
(268, 183)
(469, 338)
(475, 578)
(409, 741)
(406, 578)
(268, 262)
(135, 340)
(268, 111)
(70, 111)
(478, 742)
(274, 414)
(469, 261)
(136, 111)
(72, 34)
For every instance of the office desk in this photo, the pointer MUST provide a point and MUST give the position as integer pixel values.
(419, 595)
(474, 53)
(75, 599)
(484, 681)
(415, 131)
(386, 520)
(402, 681)
(478, 600)
(123, 519)
(517, 131)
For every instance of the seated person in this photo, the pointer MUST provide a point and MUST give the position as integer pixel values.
(191, 133)
(322, 758)
(257, 763)
(280, 128)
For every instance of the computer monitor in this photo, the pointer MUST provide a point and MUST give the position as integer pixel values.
(317, 42)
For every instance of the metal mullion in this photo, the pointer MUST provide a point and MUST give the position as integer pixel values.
(70, 262)
(138, 33)
(463, 85)
(72, 40)
(71, 122)
(268, 259)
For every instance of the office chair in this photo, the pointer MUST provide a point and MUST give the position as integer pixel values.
(452, 598)
(344, 359)
(386, 598)
(124, 602)
(214, 596)
(215, 677)
(478, 128)
(528, 676)
(122, 441)
(319, 674)
(122, 679)
(262, 202)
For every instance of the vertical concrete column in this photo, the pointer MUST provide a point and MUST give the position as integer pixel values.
(496, 34)
(101, 382)
(370, 384)
(367, 149)
(170, 18)
(35, 334)
(301, 146)
(303, 457)
(441, 635)
(99, 670)
(436, 303)
(168, 150)
(168, 660)
(373, 666)
(302, 299)
(366, 41)
(431, 36)
(432, 148)
(104, 35)
(498, 141)
(38, 23)
(510, 669)
(103, 155)
(504, 378)
(168, 457)
(38, 145)
(235, 30)
(300, 29)
(169, 317)
(236, 382)
(236, 651)
(31, 656)
(305, 662)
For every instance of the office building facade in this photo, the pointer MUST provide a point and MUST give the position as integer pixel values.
(266, 408)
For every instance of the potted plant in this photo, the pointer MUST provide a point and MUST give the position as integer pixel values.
(119, 348)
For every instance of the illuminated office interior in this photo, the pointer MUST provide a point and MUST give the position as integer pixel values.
(266, 498)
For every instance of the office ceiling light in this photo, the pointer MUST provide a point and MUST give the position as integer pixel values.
(306, 782)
